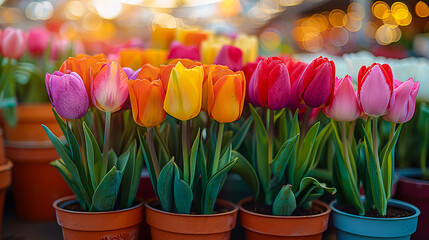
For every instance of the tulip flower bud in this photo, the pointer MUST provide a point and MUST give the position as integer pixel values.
(155, 57)
(226, 91)
(249, 46)
(13, 43)
(230, 56)
(166, 69)
(211, 47)
(375, 89)
(344, 106)
(130, 57)
(270, 84)
(178, 50)
(147, 101)
(317, 82)
(37, 41)
(184, 92)
(67, 94)
(405, 101)
(109, 89)
(295, 68)
(209, 69)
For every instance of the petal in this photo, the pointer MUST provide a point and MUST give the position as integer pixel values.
(278, 87)
(375, 94)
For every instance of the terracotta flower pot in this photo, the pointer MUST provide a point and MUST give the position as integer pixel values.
(173, 226)
(28, 146)
(120, 224)
(269, 227)
(5, 181)
(415, 191)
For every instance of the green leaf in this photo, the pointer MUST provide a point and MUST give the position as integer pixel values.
(182, 194)
(126, 164)
(388, 163)
(262, 164)
(193, 158)
(226, 157)
(112, 159)
(239, 136)
(213, 188)
(202, 164)
(165, 186)
(105, 195)
(246, 172)
(310, 189)
(148, 160)
(162, 143)
(285, 202)
(279, 163)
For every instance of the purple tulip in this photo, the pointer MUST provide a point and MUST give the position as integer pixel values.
(178, 50)
(131, 74)
(67, 94)
(230, 56)
(405, 101)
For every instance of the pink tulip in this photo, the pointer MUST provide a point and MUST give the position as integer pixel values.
(59, 47)
(178, 50)
(344, 106)
(405, 101)
(316, 85)
(67, 94)
(248, 70)
(109, 89)
(37, 41)
(13, 43)
(375, 89)
(295, 68)
(230, 56)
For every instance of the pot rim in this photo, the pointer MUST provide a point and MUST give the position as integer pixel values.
(323, 204)
(68, 199)
(416, 213)
(153, 200)
(7, 166)
(406, 175)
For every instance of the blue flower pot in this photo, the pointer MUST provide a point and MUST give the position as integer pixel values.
(355, 227)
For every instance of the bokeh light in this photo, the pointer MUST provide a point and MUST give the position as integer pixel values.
(422, 9)
(380, 10)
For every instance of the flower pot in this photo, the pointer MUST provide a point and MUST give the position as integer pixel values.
(355, 227)
(29, 148)
(415, 191)
(173, 226)
(145, 190)
(5, 181)
(120, 224)
(269, 227)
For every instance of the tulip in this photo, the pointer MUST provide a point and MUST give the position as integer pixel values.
(270, 84)
(59, 48)
(178, 50)
(162, 37)
(155, 57)
(295, 68)
(131, 74)
(13, 43)
(130, 57)
(211, 47)
(166, 69)
(317, 83)
(67, 94)
(147, 100)
(184, 92)
(37, 41)
(209, 69)
(405, 101)
(249, 46)
(149, 72)
(226, 92)
(192, 36)
(230, 56)
(375, 89)
(248, 70)
(110, 88)
(344, 106)
(86, 66)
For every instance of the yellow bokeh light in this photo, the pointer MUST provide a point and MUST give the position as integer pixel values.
(356, 9)
(406, 21)
(353, 23)
(314, 43)
(337, 18)
(380, 10)
(390, 21)
(270, 40)
(422, 9)
(164, 20)
(322, 21)
(386, 35)
(91, 22)
(288, 3)
(68, 30)
(73, 10)
(107, 9)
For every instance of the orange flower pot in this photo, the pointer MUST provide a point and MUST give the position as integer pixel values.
(173, 226)
(120, 224)
(269, 227)
(28, 146)
(5, 181)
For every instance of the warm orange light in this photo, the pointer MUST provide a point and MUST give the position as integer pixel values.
(422, 9)
(380, 10)
(338, 18)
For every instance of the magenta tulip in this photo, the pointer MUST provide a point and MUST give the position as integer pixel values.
(405, 101)
(230, 56)
(344, 106)
(131, 74)
(109, 89)
(269, 85)
(37, 41)
(375, 89)
(316, 85)
(295, 68)
(178, 50)
(67, 94)
(13, 43)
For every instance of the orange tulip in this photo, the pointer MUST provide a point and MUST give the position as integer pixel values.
(166, 69)
(147, 102)
(85, 66)
(209, 69)
(130, 57)
(226, 91)
(149, 72)
(162, 37)
(155, 57)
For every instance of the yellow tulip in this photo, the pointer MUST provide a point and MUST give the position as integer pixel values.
(184, 92)
(162, 37)
(249, 47)
(130, 57)
(154, 57)
(211, 47)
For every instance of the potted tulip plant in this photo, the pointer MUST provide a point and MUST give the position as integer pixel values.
(286, 205)
(104, 182)
(357, 163)
(187, 205)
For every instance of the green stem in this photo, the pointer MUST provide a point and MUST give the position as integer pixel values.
(270, 134)
(106, 144)
(374, 139)
(392, 130)
(305, 124)
(218, 148)
(351, 131)
(346, 150)
(185, 152)
(82, 144)
(5, 74)
(152, 151)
